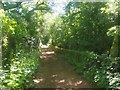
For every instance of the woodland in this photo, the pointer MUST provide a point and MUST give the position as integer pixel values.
(86, 35)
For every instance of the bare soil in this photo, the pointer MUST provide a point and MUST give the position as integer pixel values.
(55, 72)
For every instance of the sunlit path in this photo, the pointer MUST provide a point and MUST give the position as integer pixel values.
(83, 39)
(55, 72)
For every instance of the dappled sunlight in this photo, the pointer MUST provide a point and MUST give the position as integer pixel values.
(68, 82)
(42, 57)
(38, 80)
(52, 52)
(58, 82)
(61, 81)
(48, 53)
(78, 83)
(54, 75)
(59, 44)
(44, 46)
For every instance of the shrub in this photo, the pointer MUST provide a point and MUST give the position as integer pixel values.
(23, 66)
(100, 69)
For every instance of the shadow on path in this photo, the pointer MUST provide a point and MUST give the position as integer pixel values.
(55, 72)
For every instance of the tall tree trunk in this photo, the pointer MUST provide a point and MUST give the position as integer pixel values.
(114, 51)
(0, 43)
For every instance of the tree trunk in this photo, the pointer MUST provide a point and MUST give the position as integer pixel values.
(114, 51)
(0, 43)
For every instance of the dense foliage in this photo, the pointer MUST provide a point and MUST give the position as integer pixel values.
(21, 33)
(84, 27)
(100, 69)
(92, 29)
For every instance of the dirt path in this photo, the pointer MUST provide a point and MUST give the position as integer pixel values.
(57, 73)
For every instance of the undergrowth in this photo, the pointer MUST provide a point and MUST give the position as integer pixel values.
(100, 69)
(22, 68)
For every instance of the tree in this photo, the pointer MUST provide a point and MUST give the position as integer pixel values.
(19, 27)
(115, 32)
(84, 27)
